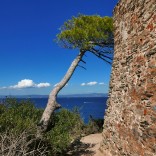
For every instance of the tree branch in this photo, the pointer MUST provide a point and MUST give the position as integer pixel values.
(101, 53)
(100, 56)
(83, 61)
(82, 67)
(52, 104)
(103, 44)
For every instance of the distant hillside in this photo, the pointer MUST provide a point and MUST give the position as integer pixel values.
(86, 95)
(69, 95)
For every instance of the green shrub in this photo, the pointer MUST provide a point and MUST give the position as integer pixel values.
(94, 126)
(18, 115)
(21, 117)
(68, 127)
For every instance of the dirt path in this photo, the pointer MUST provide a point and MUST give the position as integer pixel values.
(94, 141)
(87, 146)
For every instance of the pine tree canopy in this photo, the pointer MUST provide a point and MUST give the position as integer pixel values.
(84, 32)
(89, 33)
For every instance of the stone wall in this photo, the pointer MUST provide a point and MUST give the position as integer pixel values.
(130, 120)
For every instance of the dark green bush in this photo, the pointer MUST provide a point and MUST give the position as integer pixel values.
(94, 126)
(68, 126)
(17, 117)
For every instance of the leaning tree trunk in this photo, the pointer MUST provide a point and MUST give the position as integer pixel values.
(52, 104)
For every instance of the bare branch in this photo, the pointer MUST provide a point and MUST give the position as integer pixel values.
(101, 53)
(24, 143)
(83, 61)
(82, 67)
(101, 56)
(103, 44)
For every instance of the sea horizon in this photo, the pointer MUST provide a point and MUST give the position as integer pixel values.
(88, 106)
(60, 95)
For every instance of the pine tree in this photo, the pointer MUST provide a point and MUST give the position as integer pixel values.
(92, 34)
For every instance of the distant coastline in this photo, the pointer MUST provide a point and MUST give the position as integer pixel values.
(68, 95)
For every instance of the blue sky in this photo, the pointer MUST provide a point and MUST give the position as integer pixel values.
(31, 62)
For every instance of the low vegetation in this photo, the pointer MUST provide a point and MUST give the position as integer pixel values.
(18, 130)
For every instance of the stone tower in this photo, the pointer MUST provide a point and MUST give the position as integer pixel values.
(130, 120)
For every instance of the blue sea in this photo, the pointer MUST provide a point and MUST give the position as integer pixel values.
(94, 106)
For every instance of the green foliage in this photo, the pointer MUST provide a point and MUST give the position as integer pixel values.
(68, 126)
(84, 32)
(94, 126)
(18, 115)
(19, 118)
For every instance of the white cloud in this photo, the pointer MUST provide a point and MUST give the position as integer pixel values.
(83, 84)
(89, 83)
(101, 83)
(55, 84)
(58, 83)
(3, 88)
(41, 85)
(27, 83)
